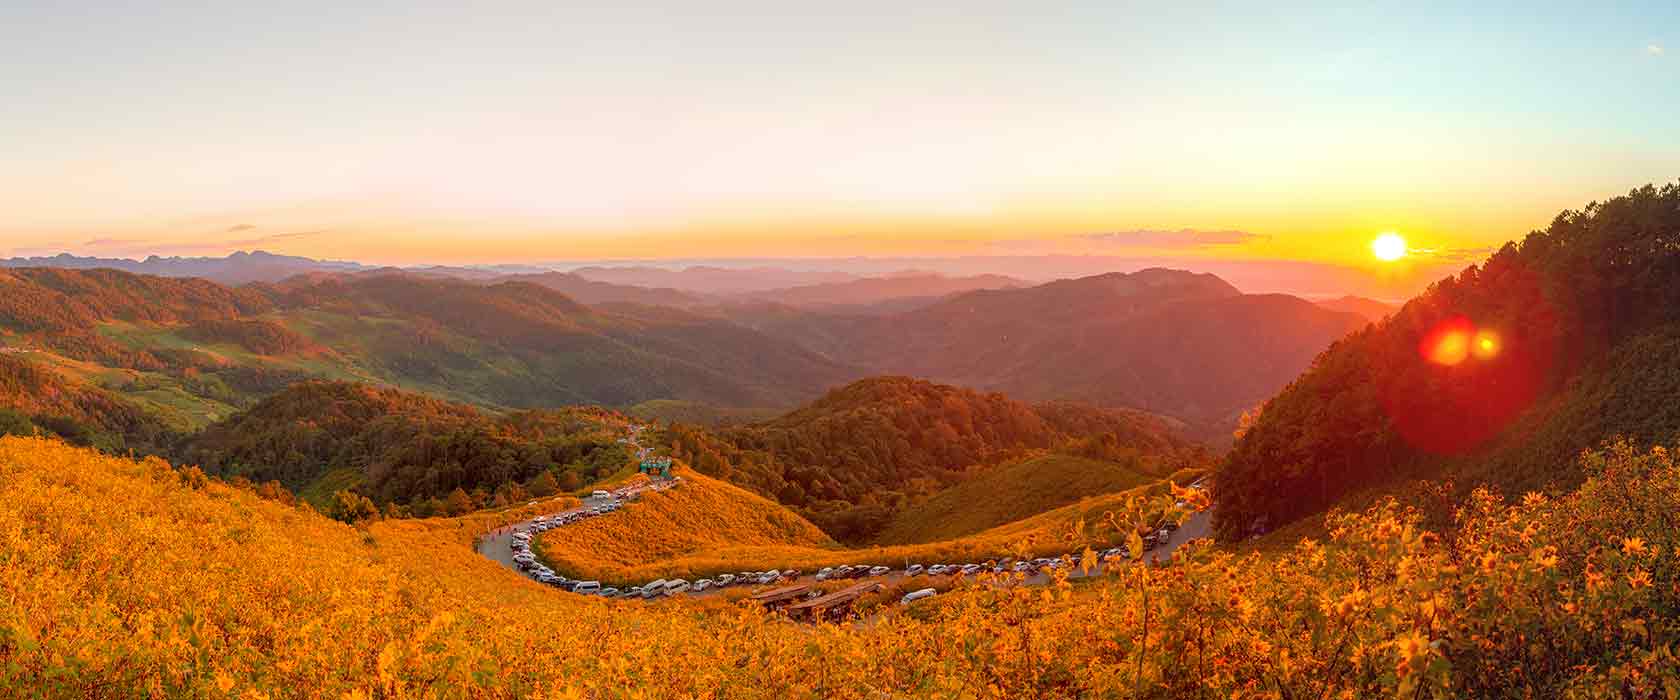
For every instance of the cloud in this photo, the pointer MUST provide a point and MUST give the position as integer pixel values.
(1185, 238)
(1654, 49)
(273, 238)
(111, 242)
(1455, 255)
(239, 228)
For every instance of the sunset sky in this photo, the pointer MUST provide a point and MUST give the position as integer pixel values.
(508, 132)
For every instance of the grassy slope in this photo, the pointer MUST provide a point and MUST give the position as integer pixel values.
(703, 514)
(1007, 493)
(617, 549)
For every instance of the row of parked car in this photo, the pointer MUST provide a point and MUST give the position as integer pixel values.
(526, 560)
(607, 502)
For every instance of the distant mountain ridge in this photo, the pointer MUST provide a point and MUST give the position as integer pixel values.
(1372, 309)
(237, 268)
(1184, 344)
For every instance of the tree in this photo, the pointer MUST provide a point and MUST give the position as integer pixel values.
(458, 503)
(352, 507)
(544, 485)
(14, 423)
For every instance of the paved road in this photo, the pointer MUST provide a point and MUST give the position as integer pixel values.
(497, 545)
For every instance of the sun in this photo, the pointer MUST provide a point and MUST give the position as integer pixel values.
(1389, 247)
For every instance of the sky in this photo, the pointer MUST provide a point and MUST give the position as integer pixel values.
(525, 131)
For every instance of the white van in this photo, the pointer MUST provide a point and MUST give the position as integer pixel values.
(600, 494)
(914, 596)
(675, 586)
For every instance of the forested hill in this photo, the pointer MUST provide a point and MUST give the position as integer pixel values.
(1168, 341)
(1500, 374)
(408, 450)
(59, 310)
(854, 458)
(36, 400)
(523, 344)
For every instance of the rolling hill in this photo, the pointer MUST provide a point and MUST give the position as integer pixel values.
(866, 451)
(407, 449)
(1172, 342)
(594, 292)
(1498, 375)
(194, 350)
(1013, 491)
(1371, 309)
(910, 287)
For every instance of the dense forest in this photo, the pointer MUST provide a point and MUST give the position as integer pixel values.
(853, 459)
(1499, 374)
(35, 400)
(408, 453)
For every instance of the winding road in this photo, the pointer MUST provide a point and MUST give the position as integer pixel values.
(498, 545)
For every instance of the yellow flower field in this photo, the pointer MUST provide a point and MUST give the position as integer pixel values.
(135, 579)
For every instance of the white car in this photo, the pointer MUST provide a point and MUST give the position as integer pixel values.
(879, 571)
(587, 588)
(914, 596)
(702, 585)
(675, 586)
(914, 570)
(600, 494)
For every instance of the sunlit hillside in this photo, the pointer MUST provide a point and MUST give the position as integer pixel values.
(135, 578)
(701, 515)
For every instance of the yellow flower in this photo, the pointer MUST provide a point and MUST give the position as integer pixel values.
(1633, 545)
(1640, 578)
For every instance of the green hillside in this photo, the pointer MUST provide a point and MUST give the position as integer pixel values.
(1010, 492)
(853, 459)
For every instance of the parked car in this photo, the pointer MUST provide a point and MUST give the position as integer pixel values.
(725, 579)
(913, 570)
(702, 585)
(587, 587)
(970, 569)
(634, 592)
(936, 570)
(824, 573)
(610, 592)
(916, 595)
(600, 494)
(675, 586)
(879, 571)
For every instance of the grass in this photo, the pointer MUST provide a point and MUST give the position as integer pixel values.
(1007, 493)
(319, 492)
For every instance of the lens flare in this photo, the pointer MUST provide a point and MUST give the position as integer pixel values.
(1486, 345)
(1448, 343)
